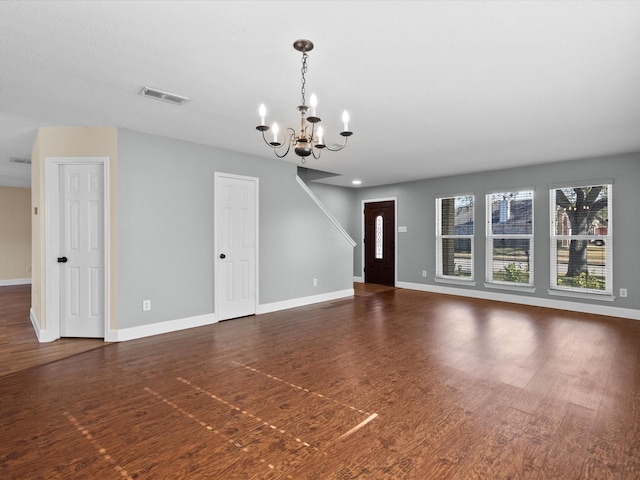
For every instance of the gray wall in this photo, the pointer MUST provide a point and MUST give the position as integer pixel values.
(165, 230)
(340, 202)
(165, 226)
(416, 210)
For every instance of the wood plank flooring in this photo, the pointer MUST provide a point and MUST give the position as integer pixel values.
(391, 384)
(19, 346)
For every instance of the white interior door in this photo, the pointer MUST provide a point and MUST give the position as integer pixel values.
(236, 245)
(81, 256)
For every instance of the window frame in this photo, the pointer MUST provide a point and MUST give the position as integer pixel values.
(607, 238)
(440, 276)
(490, 237)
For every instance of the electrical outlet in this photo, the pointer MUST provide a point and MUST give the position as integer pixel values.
(424, 273)
(315, 282)
(146, 305)
(623, 292)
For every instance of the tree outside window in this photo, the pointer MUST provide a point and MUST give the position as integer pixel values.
(581, 246)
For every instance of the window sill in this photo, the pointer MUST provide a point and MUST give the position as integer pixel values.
(513, 288)
(456, 281)
(590, 296)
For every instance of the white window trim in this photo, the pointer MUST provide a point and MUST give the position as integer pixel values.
(587, 294)
(456, 281)
(559, 290)
(453, 279)
(490, 282)
(514, 287)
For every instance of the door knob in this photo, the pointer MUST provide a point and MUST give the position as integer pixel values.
(222, 255)
(62, 259)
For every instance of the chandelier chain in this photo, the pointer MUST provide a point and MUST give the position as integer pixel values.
(303, 81)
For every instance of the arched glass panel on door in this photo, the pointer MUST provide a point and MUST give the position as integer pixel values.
(379, 236)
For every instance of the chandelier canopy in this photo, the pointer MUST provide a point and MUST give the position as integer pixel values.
(309, 140)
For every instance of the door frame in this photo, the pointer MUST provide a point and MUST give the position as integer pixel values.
(52, 239)
(216, 288)
(395, 234)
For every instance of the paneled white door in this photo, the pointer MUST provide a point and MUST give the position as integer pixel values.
(81, 259)
(236, 245)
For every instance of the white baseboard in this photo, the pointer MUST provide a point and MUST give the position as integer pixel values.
(301, 302)
(15, 281)
(131, 333)
(605, 310)
(358, 279)
(41, 333)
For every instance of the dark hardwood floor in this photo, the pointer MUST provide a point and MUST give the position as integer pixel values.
(19, 346)
(390, 384)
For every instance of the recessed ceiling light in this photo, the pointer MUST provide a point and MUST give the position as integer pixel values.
(356, 182)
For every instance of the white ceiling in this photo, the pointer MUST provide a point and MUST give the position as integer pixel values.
(433, 88)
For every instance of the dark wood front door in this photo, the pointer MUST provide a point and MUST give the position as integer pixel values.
(379, 242)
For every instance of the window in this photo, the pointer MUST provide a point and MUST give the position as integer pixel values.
(510, 238)
(379, 236)
(581, 246)
(454, 237)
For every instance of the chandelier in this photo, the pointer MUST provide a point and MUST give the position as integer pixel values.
(309, 140)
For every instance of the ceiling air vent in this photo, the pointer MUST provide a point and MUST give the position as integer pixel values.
(163, 96)
(25, 160)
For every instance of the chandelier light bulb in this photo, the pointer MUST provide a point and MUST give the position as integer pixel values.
(275, 129)
(262, 111)
(320, 134)
(345, 120)
(314, 103)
